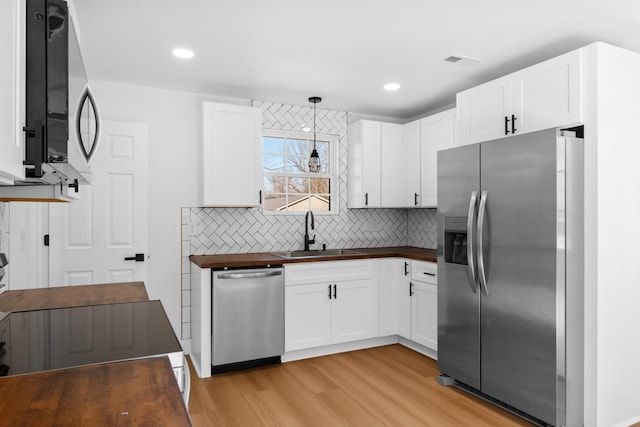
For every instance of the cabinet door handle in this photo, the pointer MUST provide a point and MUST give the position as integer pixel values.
(506, 125)
(366, 199)
(260, 197)
(513, 123)
(410, 289)
(429, 274)
(329, 291)
(335, 291)
(406, 268)
(415, 199)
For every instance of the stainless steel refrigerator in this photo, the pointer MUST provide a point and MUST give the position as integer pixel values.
(510, 266)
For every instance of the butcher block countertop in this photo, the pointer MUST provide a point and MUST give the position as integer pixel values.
(267, 258)
(139, 392)
(125, 393)
(72, 296)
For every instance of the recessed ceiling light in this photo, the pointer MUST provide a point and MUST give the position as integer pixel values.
(392, 86)
(183, 53)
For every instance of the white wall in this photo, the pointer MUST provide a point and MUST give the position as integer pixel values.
(612, 281)
(174, 131)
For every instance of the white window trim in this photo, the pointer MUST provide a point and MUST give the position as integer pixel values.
(332, 175)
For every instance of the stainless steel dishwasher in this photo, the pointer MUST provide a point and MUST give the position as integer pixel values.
(247, 317)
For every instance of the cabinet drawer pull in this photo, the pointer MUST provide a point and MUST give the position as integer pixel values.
(429, 274)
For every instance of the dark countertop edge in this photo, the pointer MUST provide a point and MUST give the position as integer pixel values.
(267, 258)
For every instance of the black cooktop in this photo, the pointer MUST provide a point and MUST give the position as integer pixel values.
(41, 340)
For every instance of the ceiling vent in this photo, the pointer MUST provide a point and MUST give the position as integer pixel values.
(461, 59)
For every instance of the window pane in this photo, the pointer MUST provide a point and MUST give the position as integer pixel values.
(297, 147)
(273, 202)
(275, 184)
(320, 185)
(297, 164)
(272, 145)
(321, 203)
(323, 149)
(298, 203)
(273, 163)
(325, 155)
(298, 185)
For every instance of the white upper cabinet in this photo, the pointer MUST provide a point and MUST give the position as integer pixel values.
(364, 164)
(391, 165)
(542, 96)
(437, 133)
(379, 154)
(482, 111)
(12, 90)
(231, 156)
(548, 94)
(412, 163)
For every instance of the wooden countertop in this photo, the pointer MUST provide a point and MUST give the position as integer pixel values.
(129, 393)
(139, 392)
(266, 258)
(72, 296)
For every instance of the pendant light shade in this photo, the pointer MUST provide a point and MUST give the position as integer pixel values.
(314, 159)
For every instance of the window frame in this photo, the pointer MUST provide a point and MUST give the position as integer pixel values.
(332, 175)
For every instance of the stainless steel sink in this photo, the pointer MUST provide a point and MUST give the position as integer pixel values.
(317, 253)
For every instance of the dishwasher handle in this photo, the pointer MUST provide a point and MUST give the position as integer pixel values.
(250, 275)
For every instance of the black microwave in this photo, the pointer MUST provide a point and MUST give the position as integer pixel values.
(48, 31)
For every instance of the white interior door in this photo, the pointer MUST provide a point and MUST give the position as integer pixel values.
(91, 237)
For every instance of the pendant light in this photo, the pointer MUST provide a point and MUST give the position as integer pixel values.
(314, 159)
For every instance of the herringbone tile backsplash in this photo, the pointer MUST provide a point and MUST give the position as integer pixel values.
(239, 230)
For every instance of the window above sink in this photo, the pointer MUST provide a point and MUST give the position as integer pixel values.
(288, 186)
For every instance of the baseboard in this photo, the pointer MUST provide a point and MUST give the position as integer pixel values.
(358, 345)
(338, 348)
(433, 354)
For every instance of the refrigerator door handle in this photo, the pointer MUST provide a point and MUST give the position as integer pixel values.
(471, 262)
(481, 271)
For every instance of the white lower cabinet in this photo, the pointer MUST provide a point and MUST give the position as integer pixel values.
(330, 303)
(424, 304)
(307, 316)
(424, 314)
(404, 297)
(337, 302)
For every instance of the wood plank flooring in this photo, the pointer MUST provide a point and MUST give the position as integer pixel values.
(383, 386)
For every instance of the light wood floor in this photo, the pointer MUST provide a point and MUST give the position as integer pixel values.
(383, 386)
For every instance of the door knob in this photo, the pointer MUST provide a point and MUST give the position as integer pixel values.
(137, 258)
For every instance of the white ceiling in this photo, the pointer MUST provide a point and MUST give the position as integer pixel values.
(341, 50)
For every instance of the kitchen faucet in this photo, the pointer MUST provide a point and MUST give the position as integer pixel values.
(308, 241)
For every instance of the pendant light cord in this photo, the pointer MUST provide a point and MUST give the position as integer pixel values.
(314, 125)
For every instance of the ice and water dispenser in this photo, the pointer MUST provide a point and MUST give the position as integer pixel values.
(455, 240)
